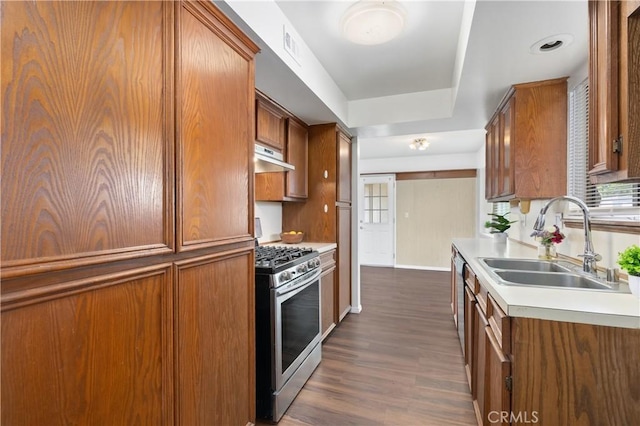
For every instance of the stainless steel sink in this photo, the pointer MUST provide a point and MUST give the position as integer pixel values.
(551, 279)
(525, 265)
(545, 273)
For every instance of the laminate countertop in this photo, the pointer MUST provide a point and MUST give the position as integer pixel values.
(562, 304)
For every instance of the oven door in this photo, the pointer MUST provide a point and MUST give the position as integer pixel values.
(296, 325)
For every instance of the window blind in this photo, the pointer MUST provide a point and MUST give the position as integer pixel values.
(612, 201)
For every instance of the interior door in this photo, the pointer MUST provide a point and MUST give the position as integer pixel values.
(377, 220)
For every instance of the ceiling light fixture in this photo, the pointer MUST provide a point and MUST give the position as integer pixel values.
(373, 22)
(420, 144)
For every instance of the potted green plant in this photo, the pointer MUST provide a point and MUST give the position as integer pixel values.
(629, 260)
(499, 225)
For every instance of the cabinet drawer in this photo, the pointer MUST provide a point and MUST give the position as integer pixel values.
(471, 280)
(499, 323)
(481, 296)
(328, 260)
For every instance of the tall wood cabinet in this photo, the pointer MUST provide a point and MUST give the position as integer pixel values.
(614, 91)
(326, 215)
(526, 143)
(127, 250)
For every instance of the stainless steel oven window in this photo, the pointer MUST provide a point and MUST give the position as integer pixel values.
(297, 326)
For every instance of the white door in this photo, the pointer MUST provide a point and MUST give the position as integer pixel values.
(377, 220)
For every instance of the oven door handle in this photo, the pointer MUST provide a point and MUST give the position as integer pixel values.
(304, 282)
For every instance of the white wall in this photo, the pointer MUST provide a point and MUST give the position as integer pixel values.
(270, 214)
(419, 164)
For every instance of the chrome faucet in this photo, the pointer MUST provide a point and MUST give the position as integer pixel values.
(589, 258)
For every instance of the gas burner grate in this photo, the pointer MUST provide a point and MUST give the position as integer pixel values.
(276, 256)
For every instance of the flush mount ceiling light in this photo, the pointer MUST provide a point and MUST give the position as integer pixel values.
(420, 144)
(373, 22)
(551, 43)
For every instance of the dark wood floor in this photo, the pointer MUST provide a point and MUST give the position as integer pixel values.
(397, 363)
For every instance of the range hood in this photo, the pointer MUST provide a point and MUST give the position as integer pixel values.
(268, 160)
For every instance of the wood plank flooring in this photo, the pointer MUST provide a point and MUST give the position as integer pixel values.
(398, 362)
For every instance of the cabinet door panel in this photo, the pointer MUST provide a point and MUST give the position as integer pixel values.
(297, 154)
(469, 336)
(214, 135)
(344, 168)
(603, 86)
(214, 337)
(327, 295)
(344, 261)
(270, 124)
(478, 373)
(86, 146)
(507, 172)
(498, 368)
(98, 357)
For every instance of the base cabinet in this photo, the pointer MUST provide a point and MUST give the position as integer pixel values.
(214, 310)
(534, 371)
(327, 292)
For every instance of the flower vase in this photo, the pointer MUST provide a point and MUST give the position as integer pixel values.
(547, 251)
(634, 285)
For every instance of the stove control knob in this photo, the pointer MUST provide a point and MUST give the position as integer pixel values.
(313, 263)
(286, 275)
(302, 268)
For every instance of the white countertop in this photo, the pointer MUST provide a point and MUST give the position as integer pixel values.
(568, 305)
(320, 247)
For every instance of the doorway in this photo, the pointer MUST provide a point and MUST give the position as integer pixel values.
(376, 217)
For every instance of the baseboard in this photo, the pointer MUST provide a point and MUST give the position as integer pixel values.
(424, 268)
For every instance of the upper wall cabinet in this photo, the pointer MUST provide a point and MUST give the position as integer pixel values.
(214, 135)
(87, 145)
(614, 91)
(526, 151)
(290, 185)
(270, 123)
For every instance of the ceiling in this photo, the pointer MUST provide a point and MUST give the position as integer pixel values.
(442, 78)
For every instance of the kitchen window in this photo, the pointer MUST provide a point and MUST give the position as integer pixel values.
(613, 206)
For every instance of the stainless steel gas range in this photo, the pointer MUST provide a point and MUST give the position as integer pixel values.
(288, 347)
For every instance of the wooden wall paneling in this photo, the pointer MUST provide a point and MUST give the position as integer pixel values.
(99, 353)
(214, 136)
(438, 174)
(215, 329)
(87, 142)
(601, 385)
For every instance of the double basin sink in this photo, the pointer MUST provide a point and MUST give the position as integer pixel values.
(545, 273)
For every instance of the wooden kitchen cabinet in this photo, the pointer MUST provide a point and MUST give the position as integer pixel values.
(327, 292)
(325, 216)
(614, 91)
(526, 143)
(215, 352)
(290, 185)
(270, 123)
(344, 261)
(97, 296)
